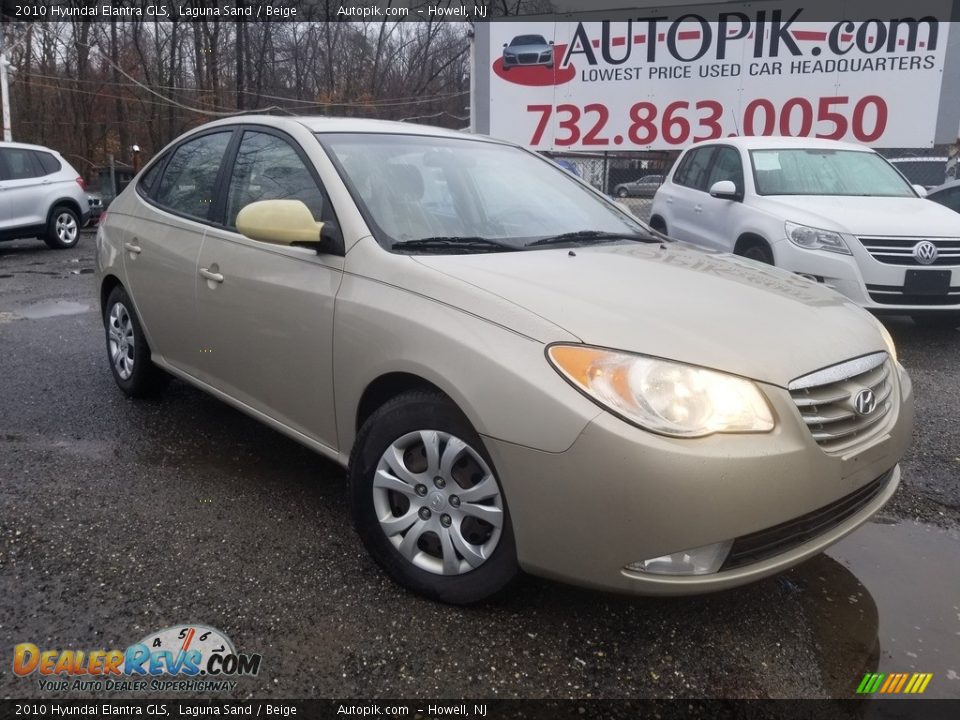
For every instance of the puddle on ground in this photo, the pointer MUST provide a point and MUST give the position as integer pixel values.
(886, 599)
(51, 308)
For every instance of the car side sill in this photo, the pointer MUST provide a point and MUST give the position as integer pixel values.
(300, 437)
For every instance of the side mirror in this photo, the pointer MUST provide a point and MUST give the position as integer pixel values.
(920, 190)
(286, 222)
(551, 42)
(725, 190)
(504, 44)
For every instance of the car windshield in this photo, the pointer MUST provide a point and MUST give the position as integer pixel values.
(427, 190)
(826, 172)
(528, 40)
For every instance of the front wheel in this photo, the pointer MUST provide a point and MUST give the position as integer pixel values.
(63, 228)
(622, 193)
(127, 349)
(427, 502)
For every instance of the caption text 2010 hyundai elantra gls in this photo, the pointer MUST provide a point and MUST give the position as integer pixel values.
(517, 373)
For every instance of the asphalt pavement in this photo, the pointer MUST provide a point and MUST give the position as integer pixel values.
(122, 517)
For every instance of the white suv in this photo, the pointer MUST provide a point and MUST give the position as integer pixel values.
(834, 212)
(41, 195)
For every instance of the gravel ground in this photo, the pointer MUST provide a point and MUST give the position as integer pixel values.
(118, 518)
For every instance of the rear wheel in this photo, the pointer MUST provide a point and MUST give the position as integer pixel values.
(658, 224)
(63, 228)
(942, 321)
(127, 349)
(622, 193)
(427, 503)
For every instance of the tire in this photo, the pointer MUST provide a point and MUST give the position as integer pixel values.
(622, 193)
(942, 321)
(63, 228)
(758, 251)
(404, 489)
(127, 349)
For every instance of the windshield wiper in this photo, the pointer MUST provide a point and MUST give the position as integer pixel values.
(454, 242)
(591, 235)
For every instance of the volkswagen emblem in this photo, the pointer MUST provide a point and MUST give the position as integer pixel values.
(925, 252)
(865, 402)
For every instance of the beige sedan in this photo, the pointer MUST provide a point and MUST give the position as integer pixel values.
(517, 374)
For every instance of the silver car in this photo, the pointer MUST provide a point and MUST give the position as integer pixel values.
(41, 196)
(516, 376)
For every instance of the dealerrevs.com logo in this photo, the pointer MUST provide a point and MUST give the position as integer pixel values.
(188, 658)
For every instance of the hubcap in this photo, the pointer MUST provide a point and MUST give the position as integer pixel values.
(66, 228)
(121, 341)
(455, 527)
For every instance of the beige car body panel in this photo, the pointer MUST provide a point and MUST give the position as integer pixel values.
(295, 339)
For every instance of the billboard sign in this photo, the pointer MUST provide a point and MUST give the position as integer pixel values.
(661, 83)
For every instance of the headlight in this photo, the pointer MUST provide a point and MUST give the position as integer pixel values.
(888, 339)
(665, 397)
(815, 239)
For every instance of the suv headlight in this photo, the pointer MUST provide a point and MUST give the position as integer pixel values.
(810, 238)
(665, 397)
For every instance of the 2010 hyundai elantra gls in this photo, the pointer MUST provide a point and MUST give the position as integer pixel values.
(517, 374)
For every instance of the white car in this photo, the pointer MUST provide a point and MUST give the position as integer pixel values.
(41, 195)
(834, 212)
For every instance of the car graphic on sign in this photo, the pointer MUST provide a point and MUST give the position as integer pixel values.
(528, 50)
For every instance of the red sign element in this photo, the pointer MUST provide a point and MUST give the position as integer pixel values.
(537, 75)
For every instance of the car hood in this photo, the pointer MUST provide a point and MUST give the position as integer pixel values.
(867, 215)
(676, 302)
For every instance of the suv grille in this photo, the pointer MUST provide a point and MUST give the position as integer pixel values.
(778, 539)
(899, 250)
(827, 401)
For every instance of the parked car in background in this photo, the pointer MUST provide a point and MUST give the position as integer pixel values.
(527, 50)
(645, 187)
(41, 195)
(486, 365)
(834, 212)
(927, 172)
(95, 204)
(947, 195)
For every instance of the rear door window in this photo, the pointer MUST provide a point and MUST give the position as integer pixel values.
(693, 172)
(189, 181)
(20, 164)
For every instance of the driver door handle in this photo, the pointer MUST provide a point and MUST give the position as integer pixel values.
(215, 277)
(135, 249)
(698, 208)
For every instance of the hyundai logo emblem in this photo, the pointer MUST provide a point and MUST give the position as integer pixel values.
(865, 402)
(925, 252)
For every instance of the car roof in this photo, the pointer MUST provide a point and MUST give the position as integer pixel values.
(326, 124)
(756, 142)
(26, 146)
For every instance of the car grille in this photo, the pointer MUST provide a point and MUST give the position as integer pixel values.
(826, 400)
(793, 533)
(899, 250)
(894, 295)
(527, 57)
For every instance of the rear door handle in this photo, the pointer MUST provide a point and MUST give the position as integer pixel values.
(698, 208)
(214, 276)
(135, 249)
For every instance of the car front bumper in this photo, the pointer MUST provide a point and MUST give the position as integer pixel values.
(620, 495)
(871, 284)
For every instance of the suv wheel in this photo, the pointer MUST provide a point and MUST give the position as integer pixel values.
(427, 503)
(127, 349)
(63, 228)
(757, 250)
